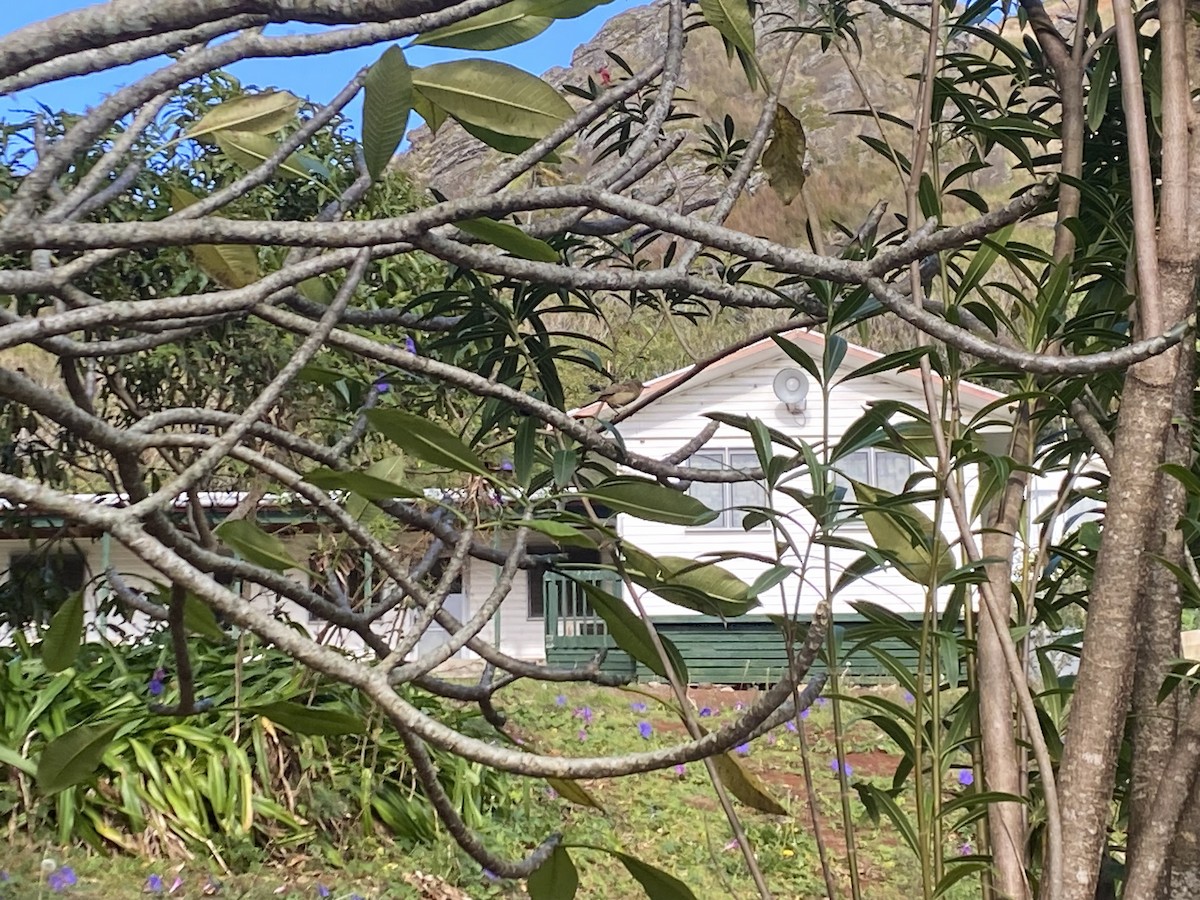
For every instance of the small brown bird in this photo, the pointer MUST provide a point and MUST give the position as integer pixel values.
(622, 393)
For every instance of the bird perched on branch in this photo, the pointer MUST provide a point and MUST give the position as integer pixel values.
(622, 393)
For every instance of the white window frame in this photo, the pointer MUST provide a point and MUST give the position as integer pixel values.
(872, 478)
(729, 518)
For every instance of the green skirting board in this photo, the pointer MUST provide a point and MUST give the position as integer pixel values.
(747, 650)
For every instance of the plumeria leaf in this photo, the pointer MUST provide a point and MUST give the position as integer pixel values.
(230, 265)
(309, 720)
(198, 618)
(73, 757)
(263, 113)
(783, 160)
(426, 440)
(657, 884)
(574, 792)
(365, 485)
(704, 587)
(60, 646)
(493, 95)
(503, 26)
(745, 785)
(631, 633)
(387, 102)
(510, 238)
(731, 18)
(255, 545)
(651, 501)
(905, 534)
(555, 879)
(251, 150)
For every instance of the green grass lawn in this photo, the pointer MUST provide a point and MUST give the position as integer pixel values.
(669, 819)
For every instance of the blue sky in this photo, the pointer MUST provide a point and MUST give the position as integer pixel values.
(317, 78)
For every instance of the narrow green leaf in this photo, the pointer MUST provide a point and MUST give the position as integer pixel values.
(524, 450)
(574, 792)
(494, 29)
(835, 352)
(251, 150)
(389, 470)
(426, 440)
(555, 879)
(510, 238)
(365, 485)
(704, 587)
(198, 618)
(732, 19)
(73, 757)
(631, 633)
(506, 143)
(387, 102)
(561, 532)
(657, 884)
(230, 265)
(783, 159)
(263, 113)
(564, 9)
(255, 545)
(13, 759)
(769, 579)
(563, 466)
(893, 362)
(301, 719)
(60, 646)
(493, 95)
(651, 501)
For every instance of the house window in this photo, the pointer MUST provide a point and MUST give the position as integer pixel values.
(883, 469)
(38, 584)
(726, 497)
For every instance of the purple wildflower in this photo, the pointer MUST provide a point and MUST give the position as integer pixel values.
(585, 713)
(322, 891)
(908, 698)
(490, 875)
(821, 701)
(551, 793)
(771, 739)
(966, 849)
(790, 725)
(743, 749)
(506, 465)
(844, 768)
(158, 682)
(582, 735)
(680, 769)
(645, 730)
(4, 876)
(382, 387)
(560, 700)
(705, 712)
(739, 706)
(410, 345)
(154, 885)
(638, 706)
(804, 713)
(966, 777)
(61, 879)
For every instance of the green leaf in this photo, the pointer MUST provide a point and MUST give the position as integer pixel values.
(905, 534)
(564, 9)
(301, 719)
(495, 29)
(631, 633)
(555, 879)
(657, 884)
(493, 95)
(389, 470)
(835, 352)
(60, 646)
(251, 150)
(746, 786)
(230, 265)
(651, 501)
(506, 143)
(10, 757)
(433, 116)
(573, 792)
(893, 362)
(732, 19)
(783, 159)
(510, 238)
(704, 587)
(387, 102)
(426, 440)
(769, 579)
(561, 532)
(71, 758)
(563, 466)
(524, 450)
(371, 487)
(198, 618)
(255, 545)
(263, 113)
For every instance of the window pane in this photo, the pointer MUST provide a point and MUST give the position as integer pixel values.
(745, 493)
(892, 470)
(710, 494)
